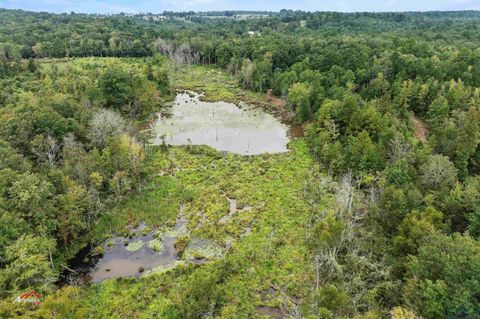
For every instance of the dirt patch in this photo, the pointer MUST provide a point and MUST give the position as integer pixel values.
(296, 131)
(278, 102)
(274, 106)
(421, 131)
(270, 312)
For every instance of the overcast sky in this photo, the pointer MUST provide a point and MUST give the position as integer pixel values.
(156, 6)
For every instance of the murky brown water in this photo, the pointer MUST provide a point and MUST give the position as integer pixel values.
(239, 129)
(120, 261)
(233, 209)
(117, 261)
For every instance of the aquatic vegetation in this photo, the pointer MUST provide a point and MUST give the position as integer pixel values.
(184, 196)
(163, 269)
(181, 244)
(273, 250)
(178, 230)
(202, 249)
(216, 85)
(98, 251)
(134, 246)
(145, 231)
(156, 245)
(111, 243)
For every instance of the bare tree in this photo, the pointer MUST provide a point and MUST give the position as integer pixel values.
(343, 259)
(183, 56)
(104, 125)
(46, 148)
(179, 55)
(399, 148)
(163, 47)
(246, 73)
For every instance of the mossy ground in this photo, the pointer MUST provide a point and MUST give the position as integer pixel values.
(272, 254)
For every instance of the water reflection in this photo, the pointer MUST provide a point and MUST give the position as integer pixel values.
(240, 129)
(118, 261)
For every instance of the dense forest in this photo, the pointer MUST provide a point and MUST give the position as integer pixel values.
(374, 212)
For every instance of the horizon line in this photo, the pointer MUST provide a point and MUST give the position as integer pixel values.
(236, 10)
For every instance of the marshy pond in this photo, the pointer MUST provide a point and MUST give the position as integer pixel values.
(241, 129)
(143, 251)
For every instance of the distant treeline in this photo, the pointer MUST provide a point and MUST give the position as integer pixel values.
(25, 35)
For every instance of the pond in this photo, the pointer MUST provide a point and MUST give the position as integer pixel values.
(241, 129)
(126, 257)
(144, 250)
